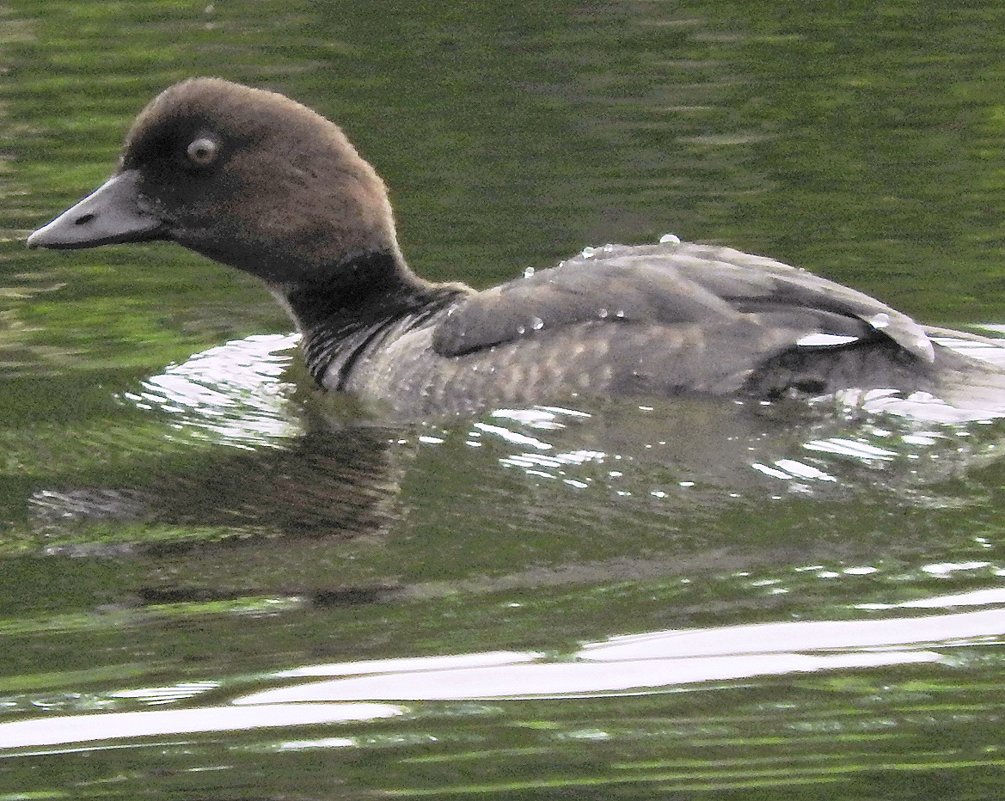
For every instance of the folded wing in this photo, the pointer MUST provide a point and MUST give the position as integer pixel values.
(672, 284)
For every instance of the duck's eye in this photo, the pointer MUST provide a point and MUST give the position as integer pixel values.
(202, 151)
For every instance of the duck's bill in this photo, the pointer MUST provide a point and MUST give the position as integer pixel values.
(110, 214)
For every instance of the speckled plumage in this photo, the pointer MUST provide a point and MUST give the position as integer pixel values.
(257, 181)
(479, 350)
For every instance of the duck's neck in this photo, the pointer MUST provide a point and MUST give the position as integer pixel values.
(346, 311)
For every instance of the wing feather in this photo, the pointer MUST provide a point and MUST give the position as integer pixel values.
(674, 283)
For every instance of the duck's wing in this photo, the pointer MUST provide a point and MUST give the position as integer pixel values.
(755, 284)
(675, 283)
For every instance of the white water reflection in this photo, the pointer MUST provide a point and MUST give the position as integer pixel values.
(232, 394)
(702, 450)
(810, 635)
(167, 695)
(563, 679)
(654, 661)
(994, 595)
(120, 725)
(632, 664)
(919, 406)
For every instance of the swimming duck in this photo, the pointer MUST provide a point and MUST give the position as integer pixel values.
(254, 180)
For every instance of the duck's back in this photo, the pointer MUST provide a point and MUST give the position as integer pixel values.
(666, 319)
(670, 284)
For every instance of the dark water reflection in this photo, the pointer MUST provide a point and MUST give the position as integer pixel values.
(216, 583)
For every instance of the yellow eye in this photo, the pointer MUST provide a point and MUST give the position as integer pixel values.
(202, 151)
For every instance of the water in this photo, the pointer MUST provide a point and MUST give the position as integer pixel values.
(217, 583)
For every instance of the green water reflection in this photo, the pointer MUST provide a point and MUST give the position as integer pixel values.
(180, 513)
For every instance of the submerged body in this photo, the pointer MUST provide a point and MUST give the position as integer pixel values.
(256, 181)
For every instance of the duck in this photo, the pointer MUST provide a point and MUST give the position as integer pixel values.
(259, 182)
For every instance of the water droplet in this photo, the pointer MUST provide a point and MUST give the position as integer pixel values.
(603, 313)
(521, 329)
(536, 323)
(588, 252)
(529, 272)
(620, 313)
(669, 239)
(881, 320)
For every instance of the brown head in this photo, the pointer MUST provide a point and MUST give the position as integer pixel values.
(245, 176)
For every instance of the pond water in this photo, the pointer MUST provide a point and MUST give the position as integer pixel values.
(217, 583)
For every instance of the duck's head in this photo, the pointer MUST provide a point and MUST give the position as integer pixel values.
(247, 177)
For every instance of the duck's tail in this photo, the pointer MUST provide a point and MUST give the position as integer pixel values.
(970, 372)
(966, 382)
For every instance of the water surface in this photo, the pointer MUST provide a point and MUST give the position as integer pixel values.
(218, 583)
